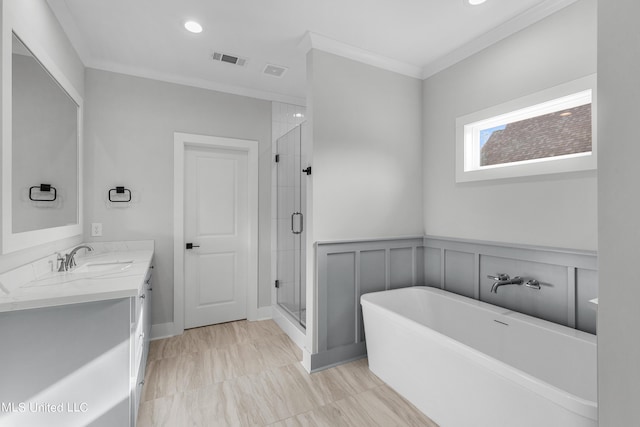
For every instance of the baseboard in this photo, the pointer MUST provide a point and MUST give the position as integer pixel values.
(162, 330)
(289, 328)
(166, 330)
(306, 360)
(336, 356)
(264, 313)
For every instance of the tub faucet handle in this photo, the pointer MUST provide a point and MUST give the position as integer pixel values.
(533, 283)
(501, 277)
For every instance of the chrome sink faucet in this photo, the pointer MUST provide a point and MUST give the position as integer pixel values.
(69, 261)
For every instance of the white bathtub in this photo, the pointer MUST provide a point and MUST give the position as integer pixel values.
(467, 363)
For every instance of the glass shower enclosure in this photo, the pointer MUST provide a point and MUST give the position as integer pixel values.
(291, 295)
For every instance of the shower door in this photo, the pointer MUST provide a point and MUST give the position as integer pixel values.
(291, 225)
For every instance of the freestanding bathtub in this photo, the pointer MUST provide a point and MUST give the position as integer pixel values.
(468, 363)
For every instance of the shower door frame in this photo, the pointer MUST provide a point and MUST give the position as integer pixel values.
(291, 225)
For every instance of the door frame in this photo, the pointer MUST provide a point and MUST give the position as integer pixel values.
(181, 142)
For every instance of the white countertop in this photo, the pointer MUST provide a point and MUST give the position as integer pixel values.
(79, 285)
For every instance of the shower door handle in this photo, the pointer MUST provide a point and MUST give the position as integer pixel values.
(293, 215)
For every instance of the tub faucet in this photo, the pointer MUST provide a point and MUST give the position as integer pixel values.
(503, 280)
(70, 261)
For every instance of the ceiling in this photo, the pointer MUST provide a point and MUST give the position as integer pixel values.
(416, 37)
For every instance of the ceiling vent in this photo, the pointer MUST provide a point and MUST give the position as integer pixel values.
(274, 70)
(229, 59)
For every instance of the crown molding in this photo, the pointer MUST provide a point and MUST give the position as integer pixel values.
(537, 13)
(518, 23)
(313, 40)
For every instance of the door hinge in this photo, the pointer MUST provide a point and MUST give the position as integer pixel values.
(277, 158)
(307, 170)
(277, 283)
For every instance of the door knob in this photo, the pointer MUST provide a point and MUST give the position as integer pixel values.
(191, 246)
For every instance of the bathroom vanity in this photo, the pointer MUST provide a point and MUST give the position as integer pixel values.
(75, 343)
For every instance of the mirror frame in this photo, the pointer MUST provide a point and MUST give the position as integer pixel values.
(11, 241)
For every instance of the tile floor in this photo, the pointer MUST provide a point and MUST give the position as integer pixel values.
(249, 374)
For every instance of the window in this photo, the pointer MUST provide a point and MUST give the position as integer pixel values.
(548, 132)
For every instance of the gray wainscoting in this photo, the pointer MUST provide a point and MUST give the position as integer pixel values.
(568, 278)
(345, 271)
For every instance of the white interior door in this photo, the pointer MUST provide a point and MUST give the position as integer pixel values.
(216, 223)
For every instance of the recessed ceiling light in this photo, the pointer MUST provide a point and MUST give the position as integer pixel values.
(475, 2)
(193, 26)
(298, 115)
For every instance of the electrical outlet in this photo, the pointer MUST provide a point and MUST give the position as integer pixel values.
(96, 229)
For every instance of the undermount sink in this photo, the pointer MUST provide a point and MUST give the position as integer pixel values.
(89, 270)
(100, 267)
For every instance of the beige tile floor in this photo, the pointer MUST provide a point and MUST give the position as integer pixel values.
(249, 374)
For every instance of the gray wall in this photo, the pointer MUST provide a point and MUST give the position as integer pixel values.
(129, 129)
(554, 210)
(619, 211)
(34, 19)
(367, 150)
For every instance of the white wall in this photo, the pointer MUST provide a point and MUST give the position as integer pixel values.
(367, 150)
(619, 212)
(129, 129)
(365, 147)
(35, 22)
(554, 210)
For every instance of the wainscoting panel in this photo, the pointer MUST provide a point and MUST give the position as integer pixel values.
(586, 311)
(568, 278)
(420, 266)
(458, 273)
(372, 271)
(432, 266)
(402, 263)
(345, 271)
(341, 299)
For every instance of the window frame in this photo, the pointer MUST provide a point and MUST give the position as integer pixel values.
(468, 167)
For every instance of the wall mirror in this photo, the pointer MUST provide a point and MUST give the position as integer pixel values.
(41, 151)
